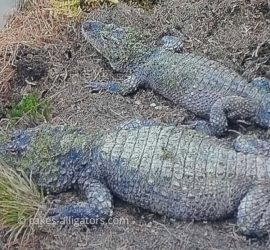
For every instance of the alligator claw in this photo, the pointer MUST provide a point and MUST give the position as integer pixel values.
(54, 215)
(53, 211)
(96, 86)
(112, 87)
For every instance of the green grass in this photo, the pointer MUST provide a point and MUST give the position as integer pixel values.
(30, 106)
(20, 200)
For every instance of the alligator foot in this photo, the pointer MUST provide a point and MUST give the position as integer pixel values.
(82, 212)
(250, 144)
(98, 205)
(112, 87)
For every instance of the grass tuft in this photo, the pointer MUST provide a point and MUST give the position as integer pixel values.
(20, 200)
(36, 109)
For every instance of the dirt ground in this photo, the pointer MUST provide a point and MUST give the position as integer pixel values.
(234, 32)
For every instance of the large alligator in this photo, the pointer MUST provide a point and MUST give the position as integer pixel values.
(176, 172)
(200, 85)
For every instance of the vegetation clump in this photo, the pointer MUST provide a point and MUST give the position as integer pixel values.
(20, 202)
(32, 107)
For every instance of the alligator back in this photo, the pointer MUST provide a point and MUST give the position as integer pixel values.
(179, 172)
(179, 75)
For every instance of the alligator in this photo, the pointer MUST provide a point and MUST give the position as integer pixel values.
(200, 85)
(173, 171)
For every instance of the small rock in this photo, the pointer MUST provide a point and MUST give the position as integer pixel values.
(150, 224)
(153, 105)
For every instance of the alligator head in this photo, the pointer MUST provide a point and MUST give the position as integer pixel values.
(117, 45)
(54, 155)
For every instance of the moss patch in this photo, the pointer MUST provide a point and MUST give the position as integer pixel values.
(133, 46)
(47, 143)
(167, 155)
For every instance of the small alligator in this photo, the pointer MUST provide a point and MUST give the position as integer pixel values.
(177, 172)
(200, 85)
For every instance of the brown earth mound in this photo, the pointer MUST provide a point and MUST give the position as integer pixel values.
(234, 32)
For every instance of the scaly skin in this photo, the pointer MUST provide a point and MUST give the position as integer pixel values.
(176, 172)
(200, 85)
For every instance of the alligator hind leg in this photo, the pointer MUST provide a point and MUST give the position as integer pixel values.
(253, 217)
(262, 83)
(230, 107)
(95, 210)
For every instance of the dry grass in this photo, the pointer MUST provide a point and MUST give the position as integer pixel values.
(20, 201)
(36, 25)
(39, 22)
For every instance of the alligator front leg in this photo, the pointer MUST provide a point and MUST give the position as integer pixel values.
(128, 86)
(98, 205)
(232, 107)
(253, 217)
